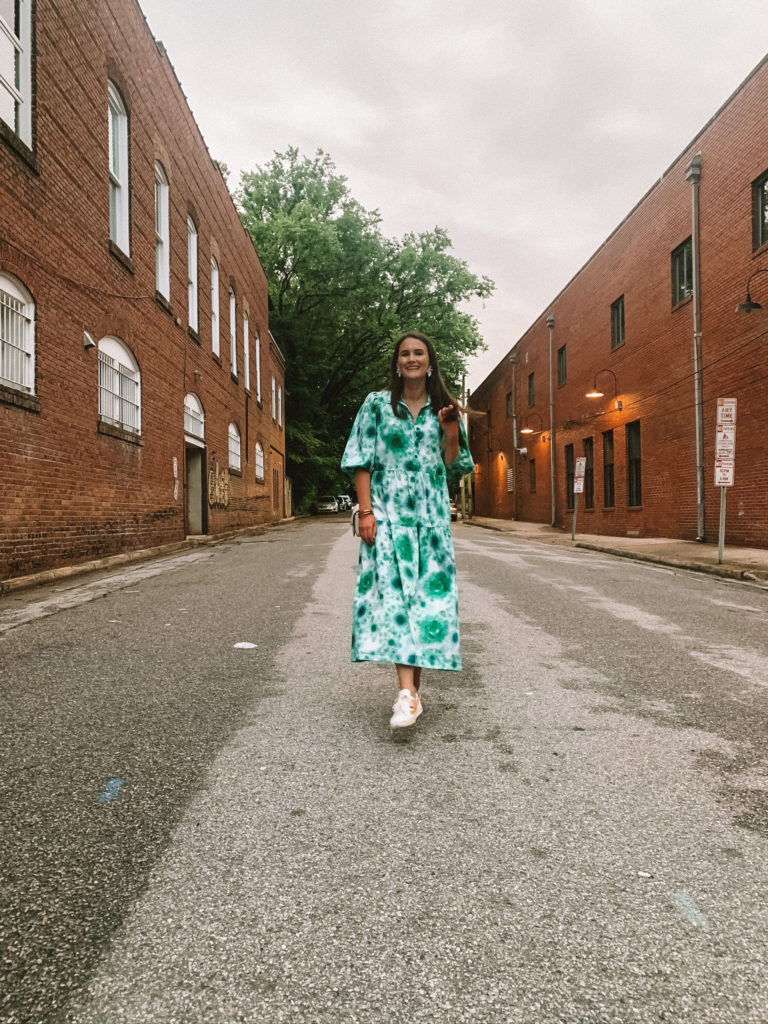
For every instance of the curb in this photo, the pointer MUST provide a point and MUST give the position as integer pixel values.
(743, 575)
(129, 557)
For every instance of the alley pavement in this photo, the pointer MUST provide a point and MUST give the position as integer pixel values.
(738, 562)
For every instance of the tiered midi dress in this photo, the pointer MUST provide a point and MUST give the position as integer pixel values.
(406, 601)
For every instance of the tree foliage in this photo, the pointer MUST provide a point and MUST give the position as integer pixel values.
(340, 294)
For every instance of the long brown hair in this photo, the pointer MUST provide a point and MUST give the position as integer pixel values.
(439, 395)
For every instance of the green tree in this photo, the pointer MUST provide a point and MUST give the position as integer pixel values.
(340, 293)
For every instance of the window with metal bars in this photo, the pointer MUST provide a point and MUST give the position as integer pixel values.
(17, 365)
(119, 393)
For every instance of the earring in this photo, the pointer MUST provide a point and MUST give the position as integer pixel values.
(399, 374)
(429, 372)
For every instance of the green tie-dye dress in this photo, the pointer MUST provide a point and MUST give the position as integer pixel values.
(406, 602)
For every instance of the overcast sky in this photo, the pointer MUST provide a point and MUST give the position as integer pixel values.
(527, 128)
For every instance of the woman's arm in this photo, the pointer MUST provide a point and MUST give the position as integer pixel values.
(366, 524)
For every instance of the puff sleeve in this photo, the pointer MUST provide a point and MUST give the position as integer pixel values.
(361, 447)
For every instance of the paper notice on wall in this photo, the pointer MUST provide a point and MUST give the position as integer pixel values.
(175, 468)
(175, 490)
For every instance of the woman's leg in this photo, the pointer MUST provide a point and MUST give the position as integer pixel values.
(408, 677)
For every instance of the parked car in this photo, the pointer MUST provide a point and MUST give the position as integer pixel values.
(327, 504)
(345, 502)
(454, 512)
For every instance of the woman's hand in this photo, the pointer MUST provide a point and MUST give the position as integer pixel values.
(366, 529)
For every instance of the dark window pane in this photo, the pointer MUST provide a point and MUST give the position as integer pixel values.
(589, 472)
(634, 475)
(608, 487)
(570, 467)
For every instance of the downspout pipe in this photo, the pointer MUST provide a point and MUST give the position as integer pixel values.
(693, 174)
(515, 454)
(553, 516)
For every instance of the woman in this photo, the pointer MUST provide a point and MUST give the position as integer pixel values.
(405, 445)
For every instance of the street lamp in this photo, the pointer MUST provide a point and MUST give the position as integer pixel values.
(749, 304)
(597, 393)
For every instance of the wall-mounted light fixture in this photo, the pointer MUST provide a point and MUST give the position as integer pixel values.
(527, 429)
(597, 393)
(749, 304)
(88, 341)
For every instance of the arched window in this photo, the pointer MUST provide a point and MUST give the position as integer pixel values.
(119, 386)
(234, 448)
(194, 419)
(17, 335)
(162, 238)
(258, 462)
(119, 227)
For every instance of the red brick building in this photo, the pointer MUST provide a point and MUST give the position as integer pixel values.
(650, 321)
(141, 393)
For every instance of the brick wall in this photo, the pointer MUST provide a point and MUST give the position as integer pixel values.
(68, 490)
(654, 367)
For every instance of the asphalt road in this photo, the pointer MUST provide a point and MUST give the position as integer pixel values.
(576, 830)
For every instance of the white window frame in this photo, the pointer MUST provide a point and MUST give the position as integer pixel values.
(192, 282)
(162, 235)
(17, 335)
(234, 448)
(194, 420)
(16, 83)
(215, 313)
(246, 354)
(274, 398)
(232, 332)
(280, 405)
(258, 367)
(119, 207)
(258, 462)
(119, 386)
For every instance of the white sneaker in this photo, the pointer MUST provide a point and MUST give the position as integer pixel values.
(406, 708)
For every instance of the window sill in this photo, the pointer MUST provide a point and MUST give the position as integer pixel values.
(163, 303)
(760, 251)
(193, 335)
(20, 148)
(620, 344)
(235, 472)
(234, 378)
(110, 430)
(683, 302)
(20, 399)
(216, 358)
(122, 258)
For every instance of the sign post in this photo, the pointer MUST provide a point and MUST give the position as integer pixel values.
(725, 457)
(578, 488)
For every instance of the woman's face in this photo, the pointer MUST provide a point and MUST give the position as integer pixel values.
(412, 359)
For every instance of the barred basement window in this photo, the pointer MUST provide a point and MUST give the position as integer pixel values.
(17, 335)
(570, 470)
(234, 448)
(589, 472)
(119, 226)
(16, 67)
(608, 485)
(119, 386)
(634, 465)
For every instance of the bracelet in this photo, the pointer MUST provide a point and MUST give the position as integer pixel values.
(365, 512)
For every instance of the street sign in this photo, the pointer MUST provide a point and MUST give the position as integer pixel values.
(581, 467)
(726, 411)
(578, 485)
(724, 473)
(725, 441)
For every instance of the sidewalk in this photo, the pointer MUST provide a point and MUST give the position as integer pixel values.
(738, 563)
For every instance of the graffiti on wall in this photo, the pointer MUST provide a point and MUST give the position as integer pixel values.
(218, 487)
